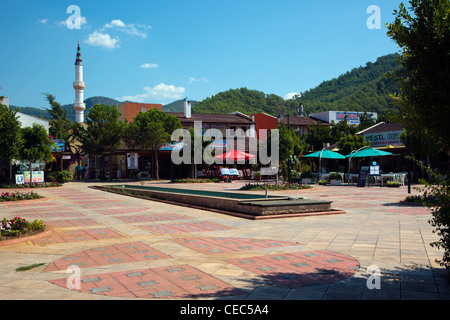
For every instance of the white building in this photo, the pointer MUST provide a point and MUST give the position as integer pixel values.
(27, 121)
(338, 116)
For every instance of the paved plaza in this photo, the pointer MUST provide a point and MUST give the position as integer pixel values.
(109, 246)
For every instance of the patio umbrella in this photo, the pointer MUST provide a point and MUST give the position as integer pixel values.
(369, 152)
(236, 155)
(324, 154)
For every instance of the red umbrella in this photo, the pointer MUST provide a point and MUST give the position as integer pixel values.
(236, 155)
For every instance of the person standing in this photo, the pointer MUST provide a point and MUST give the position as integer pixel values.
(79, 170)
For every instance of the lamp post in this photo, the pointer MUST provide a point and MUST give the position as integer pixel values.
(350, 159)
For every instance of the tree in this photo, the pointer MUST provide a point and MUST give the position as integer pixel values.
(422, 143)
(36, 144)
(102, 132)
(423, 34)
(318, 135)
(341, 129)
(349, 143)
(10, 135)
(150, 131)
(59, 121)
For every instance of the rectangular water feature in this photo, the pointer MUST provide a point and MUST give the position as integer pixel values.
(238, 204)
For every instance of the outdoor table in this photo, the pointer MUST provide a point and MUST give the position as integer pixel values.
(388, 177)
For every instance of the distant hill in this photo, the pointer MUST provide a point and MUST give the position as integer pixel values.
(367, 88)
(42, 113)
(176, 106)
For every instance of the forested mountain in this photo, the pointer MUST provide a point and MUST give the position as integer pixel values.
(176, 106)
(367, 88)
(42, 112)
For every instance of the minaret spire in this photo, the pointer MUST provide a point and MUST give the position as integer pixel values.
(79, 86)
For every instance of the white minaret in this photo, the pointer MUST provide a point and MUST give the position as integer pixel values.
(79, 86)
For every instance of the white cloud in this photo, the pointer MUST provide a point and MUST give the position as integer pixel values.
(192, 80)
(160, 92)
(102, 40)
(132, 28)
(43, 21)
(63, 23)
(149, 66)
(292, 95)
(115, 23)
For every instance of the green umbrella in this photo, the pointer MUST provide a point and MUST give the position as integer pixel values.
(324, 154)
(368, 152)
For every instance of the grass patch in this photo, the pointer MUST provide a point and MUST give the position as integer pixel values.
(21, 269)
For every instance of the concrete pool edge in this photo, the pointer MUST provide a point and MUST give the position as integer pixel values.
(192, 203)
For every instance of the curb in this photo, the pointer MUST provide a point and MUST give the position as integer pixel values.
(24, 239)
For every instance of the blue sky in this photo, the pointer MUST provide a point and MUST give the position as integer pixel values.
(158, 51)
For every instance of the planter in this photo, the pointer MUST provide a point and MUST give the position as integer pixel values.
(335, 182)
(394, 186)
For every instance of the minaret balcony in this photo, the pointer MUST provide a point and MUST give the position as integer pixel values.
(79, 106)
(79, 85)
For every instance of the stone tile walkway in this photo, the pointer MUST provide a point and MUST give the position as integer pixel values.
(129, 248)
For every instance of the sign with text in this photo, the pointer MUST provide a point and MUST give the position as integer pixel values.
(37, 177)
(132, 161)
(383, 139)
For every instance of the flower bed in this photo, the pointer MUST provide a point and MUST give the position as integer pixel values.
(17, 196)
(20, 227)
(188, 180)
(280, 186)
(31, 185)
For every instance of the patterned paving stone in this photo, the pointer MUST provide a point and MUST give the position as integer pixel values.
(184, 227)
(71, 223)
(221, 245)
(119, 253)
(77, 235)
(121, 211)
(152, 217)
(57, 214)
(178, 282)
(301, 268)
(31, 204)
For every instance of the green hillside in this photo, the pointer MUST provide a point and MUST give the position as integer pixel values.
(367, 88)
(176, 106)
(42, 112)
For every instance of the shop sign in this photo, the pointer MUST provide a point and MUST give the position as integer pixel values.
(383, 139)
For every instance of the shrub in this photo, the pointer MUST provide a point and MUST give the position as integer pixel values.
(18, 223)
(36, 225)
(59, 176)
(16, 196)
(335, 176)
(307, 175)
